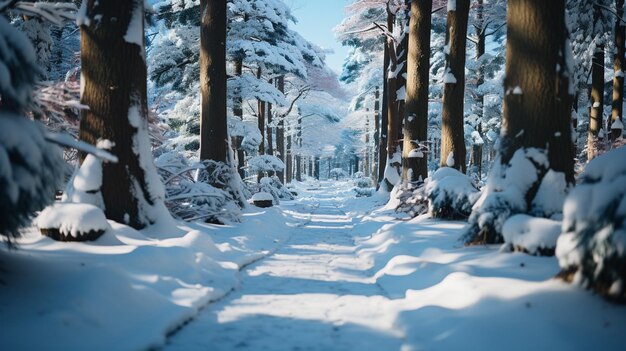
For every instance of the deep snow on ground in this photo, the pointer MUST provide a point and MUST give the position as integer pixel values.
(338, 273)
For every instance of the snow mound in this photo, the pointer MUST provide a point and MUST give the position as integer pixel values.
(535, 236)
(451, 194)
(592, 248)
(73, 221)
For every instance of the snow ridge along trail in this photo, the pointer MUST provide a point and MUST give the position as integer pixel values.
(313, 293)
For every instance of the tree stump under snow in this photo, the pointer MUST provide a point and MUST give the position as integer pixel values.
(72, 222)
(263, 200)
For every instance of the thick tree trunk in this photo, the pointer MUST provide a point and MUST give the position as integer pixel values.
(213, 124)
(114, 79)
(618, 67)
(452, 126)
(280, 131)
(537, 103)
(238, 113)
(316, 168)
(416, 114)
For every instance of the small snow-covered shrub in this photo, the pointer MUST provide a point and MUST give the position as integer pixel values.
(362, 184)
(524, 184)
(451, 194)
(409, 198)
(199, 191)
(273, 186)
(265, 164)
(592, 248)
(72, 222)
(532, 235)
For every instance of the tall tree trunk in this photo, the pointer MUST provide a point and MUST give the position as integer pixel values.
(213, 124)
(375, 167)
(298, 155)
(392, 97)
(618, 66)
(481, 40)
(366, 166)
(280, 131)
(238, 113)
(382, 144)
(289, 159)
(316, 168)
(596, 97)
(452, 126)
(114, 79)
(416, 114)
(261, 118)
(270, 142)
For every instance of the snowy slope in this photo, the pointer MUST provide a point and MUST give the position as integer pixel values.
(126, 290)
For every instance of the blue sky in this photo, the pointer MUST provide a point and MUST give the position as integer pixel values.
(316, 19)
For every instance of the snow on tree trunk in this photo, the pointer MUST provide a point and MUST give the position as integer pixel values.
(384, 122)
(452, 126)
(536, 131)
(597, 103)
(213, 122)
(416, 102)
(619, 65)
(113, 79)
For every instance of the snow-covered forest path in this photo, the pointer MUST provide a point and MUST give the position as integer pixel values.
(313, 293)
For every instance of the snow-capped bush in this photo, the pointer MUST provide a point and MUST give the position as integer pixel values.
(592, 248)
(532, 235)
(362, 184)
(265, 164)
(273, 186)
(451, 194)
(409, 198)
(506, 194)
(199, 191)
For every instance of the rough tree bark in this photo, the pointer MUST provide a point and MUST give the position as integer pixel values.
(213, 124)
(416, 102)
(452, 131)
(114, 79)
(376, 166)
(538, 113)
(618, 67)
